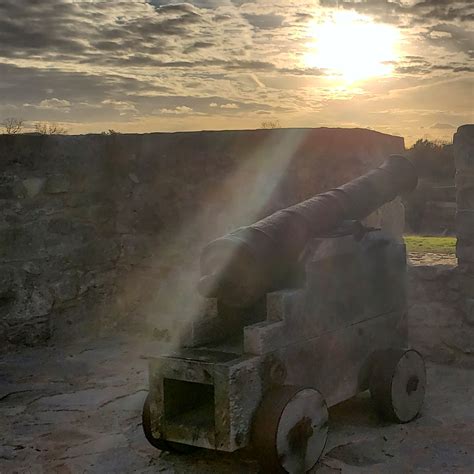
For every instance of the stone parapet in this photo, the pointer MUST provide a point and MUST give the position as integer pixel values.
(464, 159)
(100, 232)
(464, 148)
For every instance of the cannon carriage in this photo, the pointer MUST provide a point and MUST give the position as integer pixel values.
(306, 309)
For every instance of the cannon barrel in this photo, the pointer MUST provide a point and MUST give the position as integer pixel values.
(242, 266)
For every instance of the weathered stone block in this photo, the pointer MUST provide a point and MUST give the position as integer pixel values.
(6, 191)
(70, 232)
(39, 304)
(465, 224)
(134, 178)
(58, 184)
(428, 272)
(280, 303)
(135, 248)
(33, 268)
(428, 323)
(33, 186)
(466, 284)
(6, 280)
(61, 226)
(29, 333)
(82, 200)
(469, 311)
(465, 251)
(461, 339)
(95, 253)
(15, 243)
(464, 179)
(12, 191)
(139, 218)
(465, 198)
(100, 213)
(464, 147)
(66, 288)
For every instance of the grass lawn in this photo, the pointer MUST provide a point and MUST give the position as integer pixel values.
(422, 244)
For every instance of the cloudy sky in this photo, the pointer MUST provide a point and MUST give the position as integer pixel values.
(399, 66)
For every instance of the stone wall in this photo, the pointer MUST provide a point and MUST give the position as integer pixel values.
(464, 159)
(103, 232)
(441, 298)
(439, 325)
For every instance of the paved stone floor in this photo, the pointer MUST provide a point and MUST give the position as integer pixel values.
(432, 259)
(77, 410)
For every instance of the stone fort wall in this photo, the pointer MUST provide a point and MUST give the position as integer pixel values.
(99, 232)
(441, 315)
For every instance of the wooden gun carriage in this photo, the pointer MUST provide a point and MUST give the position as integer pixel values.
(307, 309)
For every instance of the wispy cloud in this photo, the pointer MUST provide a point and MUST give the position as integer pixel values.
(164, 63)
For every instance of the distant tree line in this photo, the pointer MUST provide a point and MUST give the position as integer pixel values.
(45, 128)
(16, 126)
(435, 163)
(270, 124)
(433, 159)
(12, 126)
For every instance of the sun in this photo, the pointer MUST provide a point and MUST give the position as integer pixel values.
(353, 46)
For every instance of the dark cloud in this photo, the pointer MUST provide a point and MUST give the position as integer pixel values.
(384, 10)
(451, 37)
(178, 4)
(32, 84)
(180, 7)
(417, 13)
(153, 28)
(79, 29)
(442, 126)
(198, 45)
(444, 10)
(303, 17)
(221, 18)
(267, 21)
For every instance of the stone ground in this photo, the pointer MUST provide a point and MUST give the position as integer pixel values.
(432, 259)
(77, 409)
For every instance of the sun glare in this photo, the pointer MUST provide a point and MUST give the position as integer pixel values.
(352, 46)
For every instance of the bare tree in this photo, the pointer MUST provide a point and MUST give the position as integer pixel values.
(270, 124)
(44, 128)
(12, 125)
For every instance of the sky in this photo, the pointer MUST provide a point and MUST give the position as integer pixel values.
(403, 67)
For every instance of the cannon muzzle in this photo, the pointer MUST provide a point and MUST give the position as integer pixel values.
(242, 266)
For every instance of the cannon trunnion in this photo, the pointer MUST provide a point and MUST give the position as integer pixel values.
(264, 375)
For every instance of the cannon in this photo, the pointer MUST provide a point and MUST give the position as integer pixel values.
(253, 260)
(306, 309)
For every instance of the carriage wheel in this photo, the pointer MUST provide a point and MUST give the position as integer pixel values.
(397, 384)
(159, 443)
(290, 429)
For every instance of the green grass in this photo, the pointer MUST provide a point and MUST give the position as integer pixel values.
(421, 244)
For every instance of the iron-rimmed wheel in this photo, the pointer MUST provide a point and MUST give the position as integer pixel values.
(159, 443)
(290, 429)
(397, 384)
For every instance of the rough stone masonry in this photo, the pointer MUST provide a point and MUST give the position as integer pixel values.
(441, 315)
(464, 156)
(101, 232)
